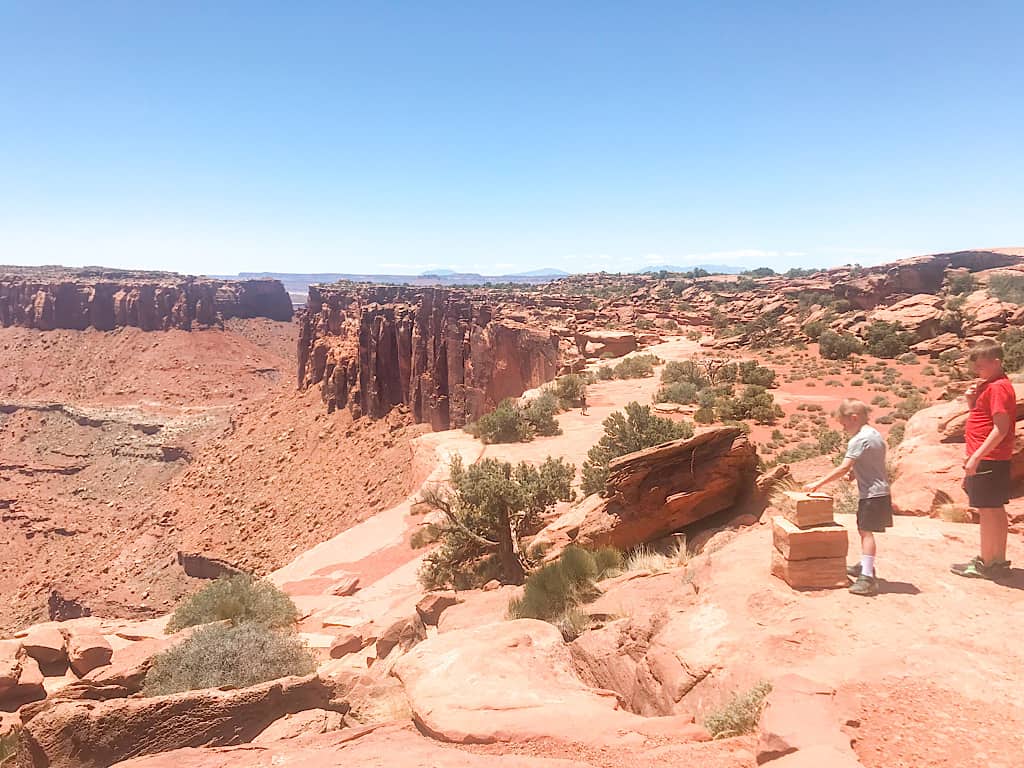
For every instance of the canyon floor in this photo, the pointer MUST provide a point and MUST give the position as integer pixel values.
(924, 674)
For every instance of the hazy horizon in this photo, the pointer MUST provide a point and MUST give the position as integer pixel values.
(401, 139)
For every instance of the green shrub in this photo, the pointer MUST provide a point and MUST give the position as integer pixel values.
(540, 413)
(740, 714)
(424, 536)
(910, 405)
(486, 511)
(814, 329)
(236, 656)
(883, 339)
(1013, 349)
(756, 404)
(684, 372)
(838, 346)
(553, 591)
(625, 432)
(605, 373)
(829, 441)
(644, 324)
(636, 367)
(1007, 286)
(704, 415)
(505, 424)
(678, 392)
(896, 434)
(750, 372)
(570, 390)
(960, 283)
(238, 599)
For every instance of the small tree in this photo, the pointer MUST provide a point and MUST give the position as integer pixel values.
(634, 430)
(505, 424)
(540, 412)
(838, 346)
(487, 510)
(570, 390)
(883, 339)
(751, 372)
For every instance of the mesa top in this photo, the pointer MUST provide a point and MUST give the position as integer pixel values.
(867, 449)
(995, 396)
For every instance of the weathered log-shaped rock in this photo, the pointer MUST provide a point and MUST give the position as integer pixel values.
(657, 491)
(93, 734)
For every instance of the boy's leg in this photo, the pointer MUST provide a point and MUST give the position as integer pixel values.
(994, 528)
(868, 549)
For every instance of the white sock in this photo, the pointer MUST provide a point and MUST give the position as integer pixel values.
(867, 565)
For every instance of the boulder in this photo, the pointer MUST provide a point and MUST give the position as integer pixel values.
(11, 653)
(657, 491)
(46, 644)
(348, 642)
(936, 346)
(86, 652)
(512, 681)
(404, 634)
(929, 461)
(606, 343)
(433, 605)
(306, 723)
(390, 746)
(478, 608)
(920, 315)
(95, 734)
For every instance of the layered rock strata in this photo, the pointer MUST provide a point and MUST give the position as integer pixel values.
(450, 356)
(106, 299)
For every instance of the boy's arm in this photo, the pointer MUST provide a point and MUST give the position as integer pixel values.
(1001, 427)
(835, 474)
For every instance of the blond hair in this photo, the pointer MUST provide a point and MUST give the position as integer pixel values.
(852, 407)
(987, 349)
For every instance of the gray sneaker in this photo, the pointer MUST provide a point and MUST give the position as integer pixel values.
(865, 586)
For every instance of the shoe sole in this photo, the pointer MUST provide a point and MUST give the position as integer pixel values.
(970, 575)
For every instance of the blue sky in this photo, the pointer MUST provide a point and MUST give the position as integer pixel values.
(402, 136)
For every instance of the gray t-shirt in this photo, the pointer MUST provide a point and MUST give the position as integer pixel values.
(867, 449)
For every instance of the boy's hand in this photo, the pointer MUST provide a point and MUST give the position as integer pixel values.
(850, 477)
(811, 487)
(971, 465)
(971, 393)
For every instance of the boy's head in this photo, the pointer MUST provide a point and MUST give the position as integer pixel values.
(987, 358)
(853, 414)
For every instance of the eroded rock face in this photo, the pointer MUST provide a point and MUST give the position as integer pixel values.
(657, 491)
(106, 299)
(929, 461)
(450, 356)
(921, 275)
(93, 734)
(513, 681)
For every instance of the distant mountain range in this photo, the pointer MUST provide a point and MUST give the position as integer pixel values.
(450, 273)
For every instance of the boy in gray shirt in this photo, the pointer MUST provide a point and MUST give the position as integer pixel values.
(865, 460)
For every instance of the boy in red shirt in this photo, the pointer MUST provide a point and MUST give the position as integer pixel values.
(989, 438)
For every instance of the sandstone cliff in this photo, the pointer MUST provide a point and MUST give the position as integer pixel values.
(448, 355)
(48, 298)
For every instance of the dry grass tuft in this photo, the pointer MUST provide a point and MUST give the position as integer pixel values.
(740, 714)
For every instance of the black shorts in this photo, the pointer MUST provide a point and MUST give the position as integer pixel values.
(874, 514)
(989, 487)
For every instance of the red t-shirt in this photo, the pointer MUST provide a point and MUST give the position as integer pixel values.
(995, 396)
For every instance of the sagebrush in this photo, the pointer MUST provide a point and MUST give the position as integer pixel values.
(238, 656)
(237, 599)
(740, 714)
